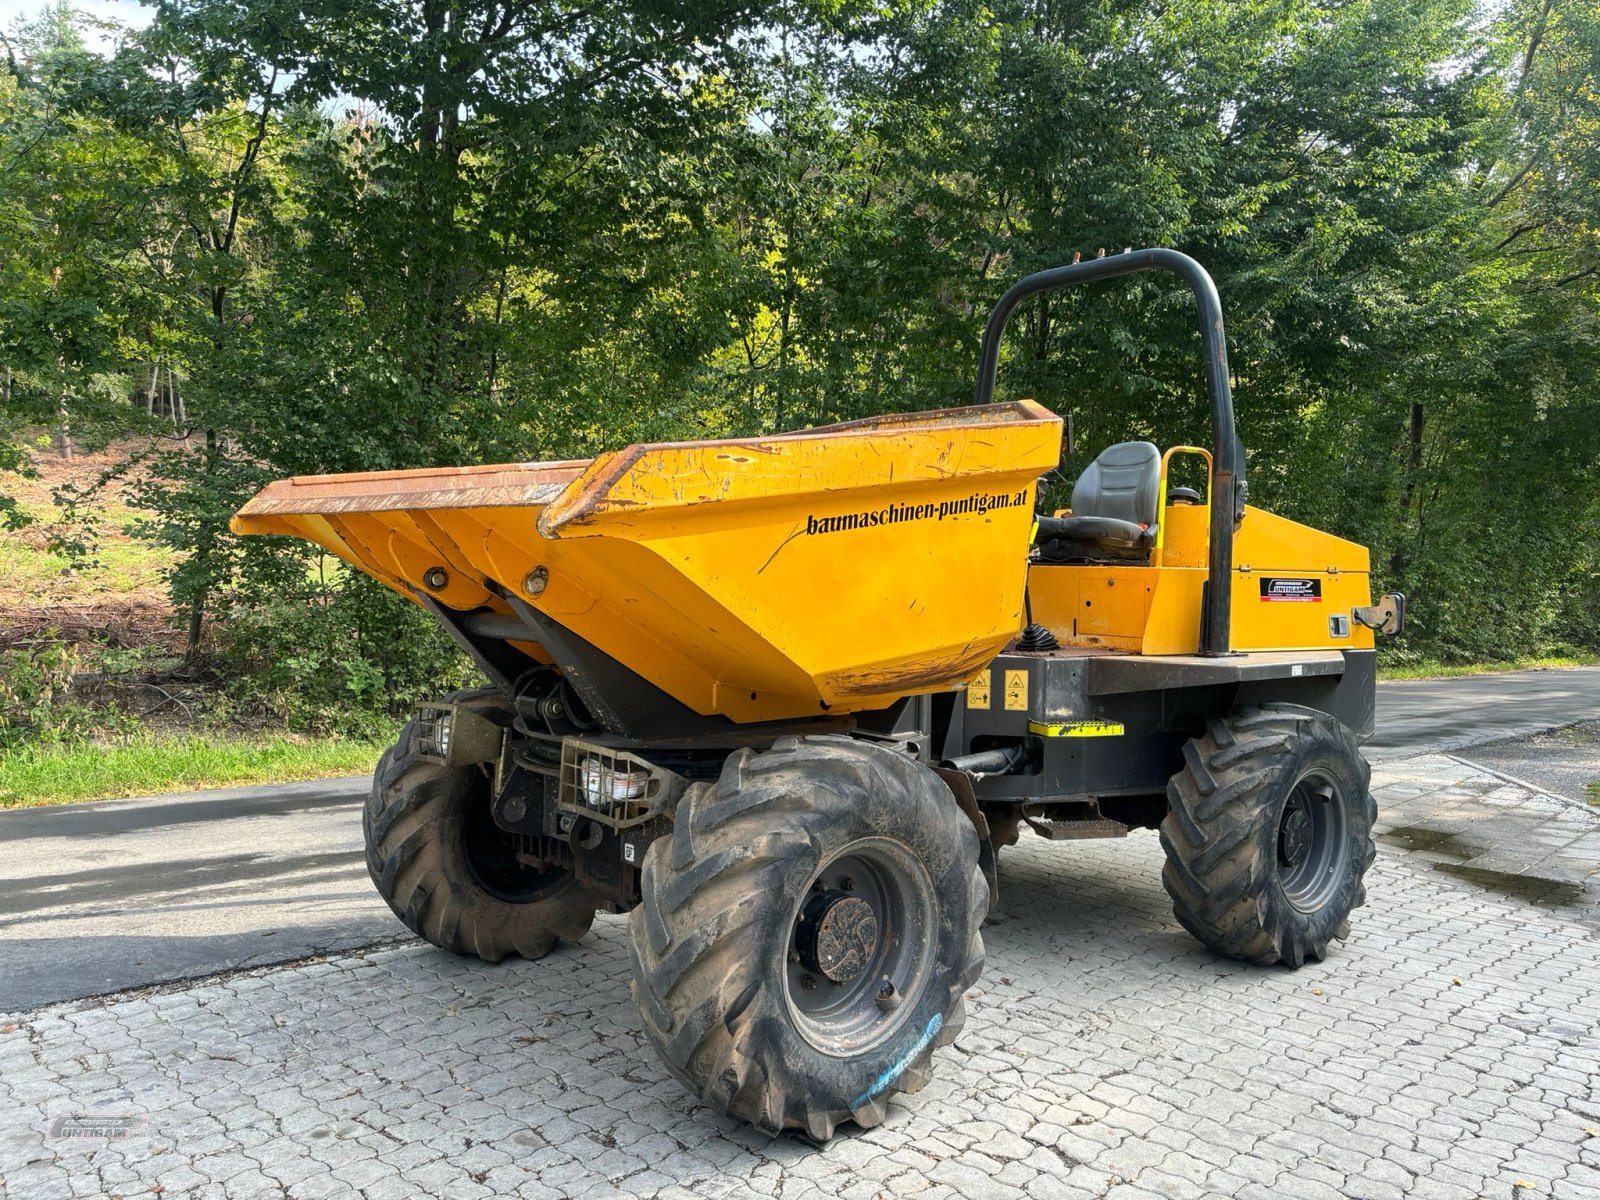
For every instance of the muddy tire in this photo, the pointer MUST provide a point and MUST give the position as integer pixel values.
(447, 871)
(807, 932)
(1268, 834)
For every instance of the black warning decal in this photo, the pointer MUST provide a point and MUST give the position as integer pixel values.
(1293, 591)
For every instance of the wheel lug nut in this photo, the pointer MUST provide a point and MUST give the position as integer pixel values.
(847, 884)
(807, 982)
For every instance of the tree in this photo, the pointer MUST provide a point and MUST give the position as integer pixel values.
(456, 231)
(70, 217)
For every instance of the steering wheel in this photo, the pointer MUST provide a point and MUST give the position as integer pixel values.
(1182, 495)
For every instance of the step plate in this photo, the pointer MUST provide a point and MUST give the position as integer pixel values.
(1068, 831)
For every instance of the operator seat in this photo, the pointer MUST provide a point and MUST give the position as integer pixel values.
(1114, 509)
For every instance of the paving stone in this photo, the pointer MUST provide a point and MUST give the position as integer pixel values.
(1105, 1055)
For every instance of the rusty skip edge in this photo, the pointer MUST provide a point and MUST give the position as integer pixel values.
(934, 673)
(572, 489)
(443, 487)
(590, 496)
(268, 503)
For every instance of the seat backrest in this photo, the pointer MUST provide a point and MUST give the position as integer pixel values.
(1123, 482)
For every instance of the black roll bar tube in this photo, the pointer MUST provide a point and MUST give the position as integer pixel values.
(1227, 454)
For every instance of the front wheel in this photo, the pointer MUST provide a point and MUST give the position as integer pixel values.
(1268, 834)
(448, 871)
(807, 932)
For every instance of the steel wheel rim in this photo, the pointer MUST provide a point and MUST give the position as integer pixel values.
(491, 856)
(845, 1018)
(1313, 842)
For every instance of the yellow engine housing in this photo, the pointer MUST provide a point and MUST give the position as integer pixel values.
(1156, 609)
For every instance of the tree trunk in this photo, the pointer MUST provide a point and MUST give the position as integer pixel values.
(783, 365)
(1397, 560)
(205, 544)
(175, 400)
(61, 407)
(197, 618)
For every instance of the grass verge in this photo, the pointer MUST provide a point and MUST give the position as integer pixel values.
(1440, 670)
(31, 775)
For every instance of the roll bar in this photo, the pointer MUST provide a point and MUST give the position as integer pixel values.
(1227, 480)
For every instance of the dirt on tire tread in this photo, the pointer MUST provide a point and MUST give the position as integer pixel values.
(699, 926)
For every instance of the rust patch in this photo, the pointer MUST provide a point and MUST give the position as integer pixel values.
(960, 785)
(928, 676)
(389, 491)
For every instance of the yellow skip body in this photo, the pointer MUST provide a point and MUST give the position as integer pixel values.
(836, 570)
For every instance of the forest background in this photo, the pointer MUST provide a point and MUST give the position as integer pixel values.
(255, 238)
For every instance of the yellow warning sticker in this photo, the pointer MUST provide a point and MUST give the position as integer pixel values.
(978, 692)
(1016, 691)
(1077, 729)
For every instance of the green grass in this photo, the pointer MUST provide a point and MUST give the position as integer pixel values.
(1592, 792)
(1439, 670)
(33, 575)
(31, 775)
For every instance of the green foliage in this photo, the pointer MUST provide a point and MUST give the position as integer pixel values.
(14, 459)
(36, 704)
(1403, 662)
(484, 230)
(345, 656)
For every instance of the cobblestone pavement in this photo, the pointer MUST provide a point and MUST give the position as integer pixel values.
(1499, 833)
(1450, 1048)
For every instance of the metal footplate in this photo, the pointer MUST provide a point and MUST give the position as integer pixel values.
(1068, 831)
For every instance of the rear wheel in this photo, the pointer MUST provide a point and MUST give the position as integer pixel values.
(807, 932)
(1268, 834)
(448, 871)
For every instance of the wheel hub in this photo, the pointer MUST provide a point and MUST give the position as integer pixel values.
(860, 946)
(1294, 834)
(837, 935)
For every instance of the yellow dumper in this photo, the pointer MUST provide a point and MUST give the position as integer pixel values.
(785, 698)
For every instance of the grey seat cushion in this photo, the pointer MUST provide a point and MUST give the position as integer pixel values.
(1124, 482)
(1114, 509)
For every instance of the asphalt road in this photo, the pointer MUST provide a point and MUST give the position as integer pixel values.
(1419, 715)
(119, 894)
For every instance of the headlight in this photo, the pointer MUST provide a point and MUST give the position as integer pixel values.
(604, 785)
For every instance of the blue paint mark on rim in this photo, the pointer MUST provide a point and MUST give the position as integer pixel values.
(892, 1072)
